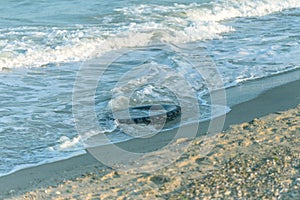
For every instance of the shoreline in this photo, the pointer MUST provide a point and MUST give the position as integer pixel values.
(276, 99)
(238, 94)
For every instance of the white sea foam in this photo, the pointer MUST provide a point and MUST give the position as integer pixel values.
(34, 47)
(68, 144)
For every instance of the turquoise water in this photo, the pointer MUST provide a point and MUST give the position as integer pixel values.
(43, 44)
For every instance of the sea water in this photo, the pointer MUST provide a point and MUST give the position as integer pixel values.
(43, 45)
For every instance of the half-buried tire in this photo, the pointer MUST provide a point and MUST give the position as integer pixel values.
(148, 113)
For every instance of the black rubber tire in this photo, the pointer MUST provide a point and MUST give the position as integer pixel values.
(172, 112)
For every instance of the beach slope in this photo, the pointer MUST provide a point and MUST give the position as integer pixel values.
(258, 158)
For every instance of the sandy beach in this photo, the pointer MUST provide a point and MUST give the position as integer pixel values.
(257, 156)
(158, 99)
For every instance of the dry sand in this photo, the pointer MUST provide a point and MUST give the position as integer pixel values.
(257, 159)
